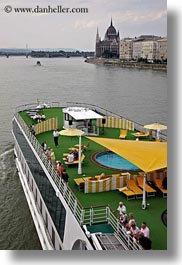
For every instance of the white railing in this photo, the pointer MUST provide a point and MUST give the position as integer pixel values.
(121, 232)
(103, 214)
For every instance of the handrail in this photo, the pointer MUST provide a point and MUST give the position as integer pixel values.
(121, 232)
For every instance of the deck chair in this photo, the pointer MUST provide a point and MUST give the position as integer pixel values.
(141, 135)
(158, 183)
(123, 134)
(149, 190)
(132, 186)
(86, 146)
(129, 193)
(74, 162)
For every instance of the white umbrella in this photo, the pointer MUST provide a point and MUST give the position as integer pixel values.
(155, 126)
(71, 132)
(75, 132)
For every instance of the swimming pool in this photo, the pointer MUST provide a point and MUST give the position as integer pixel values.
(111, 160)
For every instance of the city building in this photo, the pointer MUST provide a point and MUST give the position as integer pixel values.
(109, 46)
(146, 47)
(162, 49)
(126, 49)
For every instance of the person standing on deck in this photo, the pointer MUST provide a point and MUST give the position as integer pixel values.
(52, 157)
(121, 208)
(56, 136)
(65, 176)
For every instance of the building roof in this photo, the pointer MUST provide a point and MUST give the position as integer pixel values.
(111, 32)
(80, 113)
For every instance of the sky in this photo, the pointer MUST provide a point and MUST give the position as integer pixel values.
(78, 30)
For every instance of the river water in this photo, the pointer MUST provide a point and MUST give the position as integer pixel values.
(140, 95)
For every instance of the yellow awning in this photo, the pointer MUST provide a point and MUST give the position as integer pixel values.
(146, 155)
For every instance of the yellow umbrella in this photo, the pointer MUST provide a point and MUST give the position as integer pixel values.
(75, 132)
(155, 126)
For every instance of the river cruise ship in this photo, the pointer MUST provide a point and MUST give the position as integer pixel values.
(81, 214)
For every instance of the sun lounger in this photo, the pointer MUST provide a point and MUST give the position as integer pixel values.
(158, 183)
(123, 134)
(129, 193)
(75, 162)
(133, 187)
(141, 135)
(80, 183)
(149, 190)
(84, 146)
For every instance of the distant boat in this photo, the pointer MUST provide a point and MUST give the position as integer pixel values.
(38, 63)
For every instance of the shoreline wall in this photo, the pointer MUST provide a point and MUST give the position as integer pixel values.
(119, 63)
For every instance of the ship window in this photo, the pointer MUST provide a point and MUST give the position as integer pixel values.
(32, 184)
(79, 245)
(53, 236)
(36, 195)
(66, 117)
(46, 220)
(40, 205)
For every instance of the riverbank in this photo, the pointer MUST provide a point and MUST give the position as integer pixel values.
(138, 65)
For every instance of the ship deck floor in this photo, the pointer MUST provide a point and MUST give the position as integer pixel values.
(155, 205)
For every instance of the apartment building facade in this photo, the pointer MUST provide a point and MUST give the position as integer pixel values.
(147, 47)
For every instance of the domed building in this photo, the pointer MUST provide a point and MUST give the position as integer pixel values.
(109, 47)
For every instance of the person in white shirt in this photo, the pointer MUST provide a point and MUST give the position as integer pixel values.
(121, 209)
(145, 230)
(70, 158)
(135, 231)
(56, 136)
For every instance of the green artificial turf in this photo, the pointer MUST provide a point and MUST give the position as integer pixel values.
(157, 204)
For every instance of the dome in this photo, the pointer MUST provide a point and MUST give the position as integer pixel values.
(111, 31)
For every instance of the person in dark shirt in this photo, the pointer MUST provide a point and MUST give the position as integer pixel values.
(164, 183)
(44, 146)
(65, 176)
(145, 242)
(75, 153)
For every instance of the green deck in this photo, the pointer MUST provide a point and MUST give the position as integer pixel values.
(155, 205)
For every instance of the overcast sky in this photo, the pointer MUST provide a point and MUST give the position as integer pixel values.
(131, 17)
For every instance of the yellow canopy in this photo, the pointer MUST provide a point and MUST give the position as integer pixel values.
(148, 156)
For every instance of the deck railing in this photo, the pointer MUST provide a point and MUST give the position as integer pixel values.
(121, 232)
(103, 214)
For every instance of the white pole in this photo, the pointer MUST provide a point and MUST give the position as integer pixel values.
(79, 157)
(144, 192)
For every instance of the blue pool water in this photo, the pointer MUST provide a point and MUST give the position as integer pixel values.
(112, 160)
